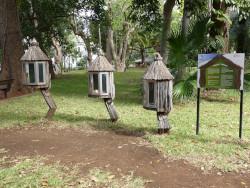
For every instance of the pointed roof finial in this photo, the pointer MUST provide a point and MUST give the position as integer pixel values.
(100, 52)
(157, 70)
(158, 56)
(34, 42)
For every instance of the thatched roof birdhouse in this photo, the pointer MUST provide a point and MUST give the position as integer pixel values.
(157, 91)
(101, 80)
(101, 83)
(157, 87)
(35, 66)
(36, 74)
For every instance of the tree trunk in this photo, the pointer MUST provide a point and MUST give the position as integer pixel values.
(120, 57)
(84, 37)
(11, 45)
(87, 43)
(167, 14)
(57, 56)
(184, 28)
(108, 48)
(221, 27)
(142, 51)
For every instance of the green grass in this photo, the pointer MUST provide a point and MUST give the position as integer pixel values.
(216, 146)
(25, 172)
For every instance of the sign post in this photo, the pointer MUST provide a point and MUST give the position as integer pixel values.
(224, 71)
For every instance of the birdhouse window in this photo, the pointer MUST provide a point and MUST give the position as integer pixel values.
(151, 95)
(32, 72)
(104, 83)
(96, 82)
(40, 65)
(35, 73)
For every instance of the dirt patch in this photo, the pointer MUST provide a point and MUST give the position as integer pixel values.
(119, 154)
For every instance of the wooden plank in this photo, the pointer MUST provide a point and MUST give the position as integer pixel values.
(161, 93)
(144, 93)
(50, 102)
(111, 109)
(163, 123)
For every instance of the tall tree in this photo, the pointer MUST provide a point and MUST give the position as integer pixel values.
(126, 18)
(167, 14)
(11, 45)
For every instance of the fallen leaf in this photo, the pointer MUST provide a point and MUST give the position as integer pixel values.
(110, 176)
(69, 184)
(44, 183)
(154, 172)
(94, 179)
(52, 148)
(119, 147)
(158, 161)
(34, 140)
(133, 143)
(243, 183)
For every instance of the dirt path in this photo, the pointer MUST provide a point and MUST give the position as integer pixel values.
(111, 151)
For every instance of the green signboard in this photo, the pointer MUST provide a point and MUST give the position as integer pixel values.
(220, 75)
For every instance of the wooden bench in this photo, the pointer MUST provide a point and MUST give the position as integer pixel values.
(5, 86)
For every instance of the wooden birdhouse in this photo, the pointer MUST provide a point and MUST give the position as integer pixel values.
(101, 79)
(157, 92)
(35, 66)
(36, 74)
(101, 83)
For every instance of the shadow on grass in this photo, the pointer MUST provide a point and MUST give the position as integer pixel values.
(220, 100)
(208, 140)
(107, 125)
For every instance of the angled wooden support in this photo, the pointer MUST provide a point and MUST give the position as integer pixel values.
(111, 109)
(50, 102)
(163, 123)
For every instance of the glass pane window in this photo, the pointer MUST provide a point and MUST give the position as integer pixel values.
(24, 74)
(151, 93)
(32, 72)
(40, 66)
(95, 79)
(104, 83)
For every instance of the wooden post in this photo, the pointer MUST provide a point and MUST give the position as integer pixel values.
(163, 123)
(50, 102)
(241, 112)
(111, 109)
(198, 111)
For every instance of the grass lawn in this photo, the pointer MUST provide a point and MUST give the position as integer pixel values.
(218, 144)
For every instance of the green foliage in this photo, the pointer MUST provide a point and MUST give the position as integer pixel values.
(183, 47)
(147, 13)
(186, 88)
(83, 62)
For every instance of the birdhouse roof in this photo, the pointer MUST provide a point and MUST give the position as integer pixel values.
(220, 58)
(101, 64)
(34, 53)
(157, 70)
